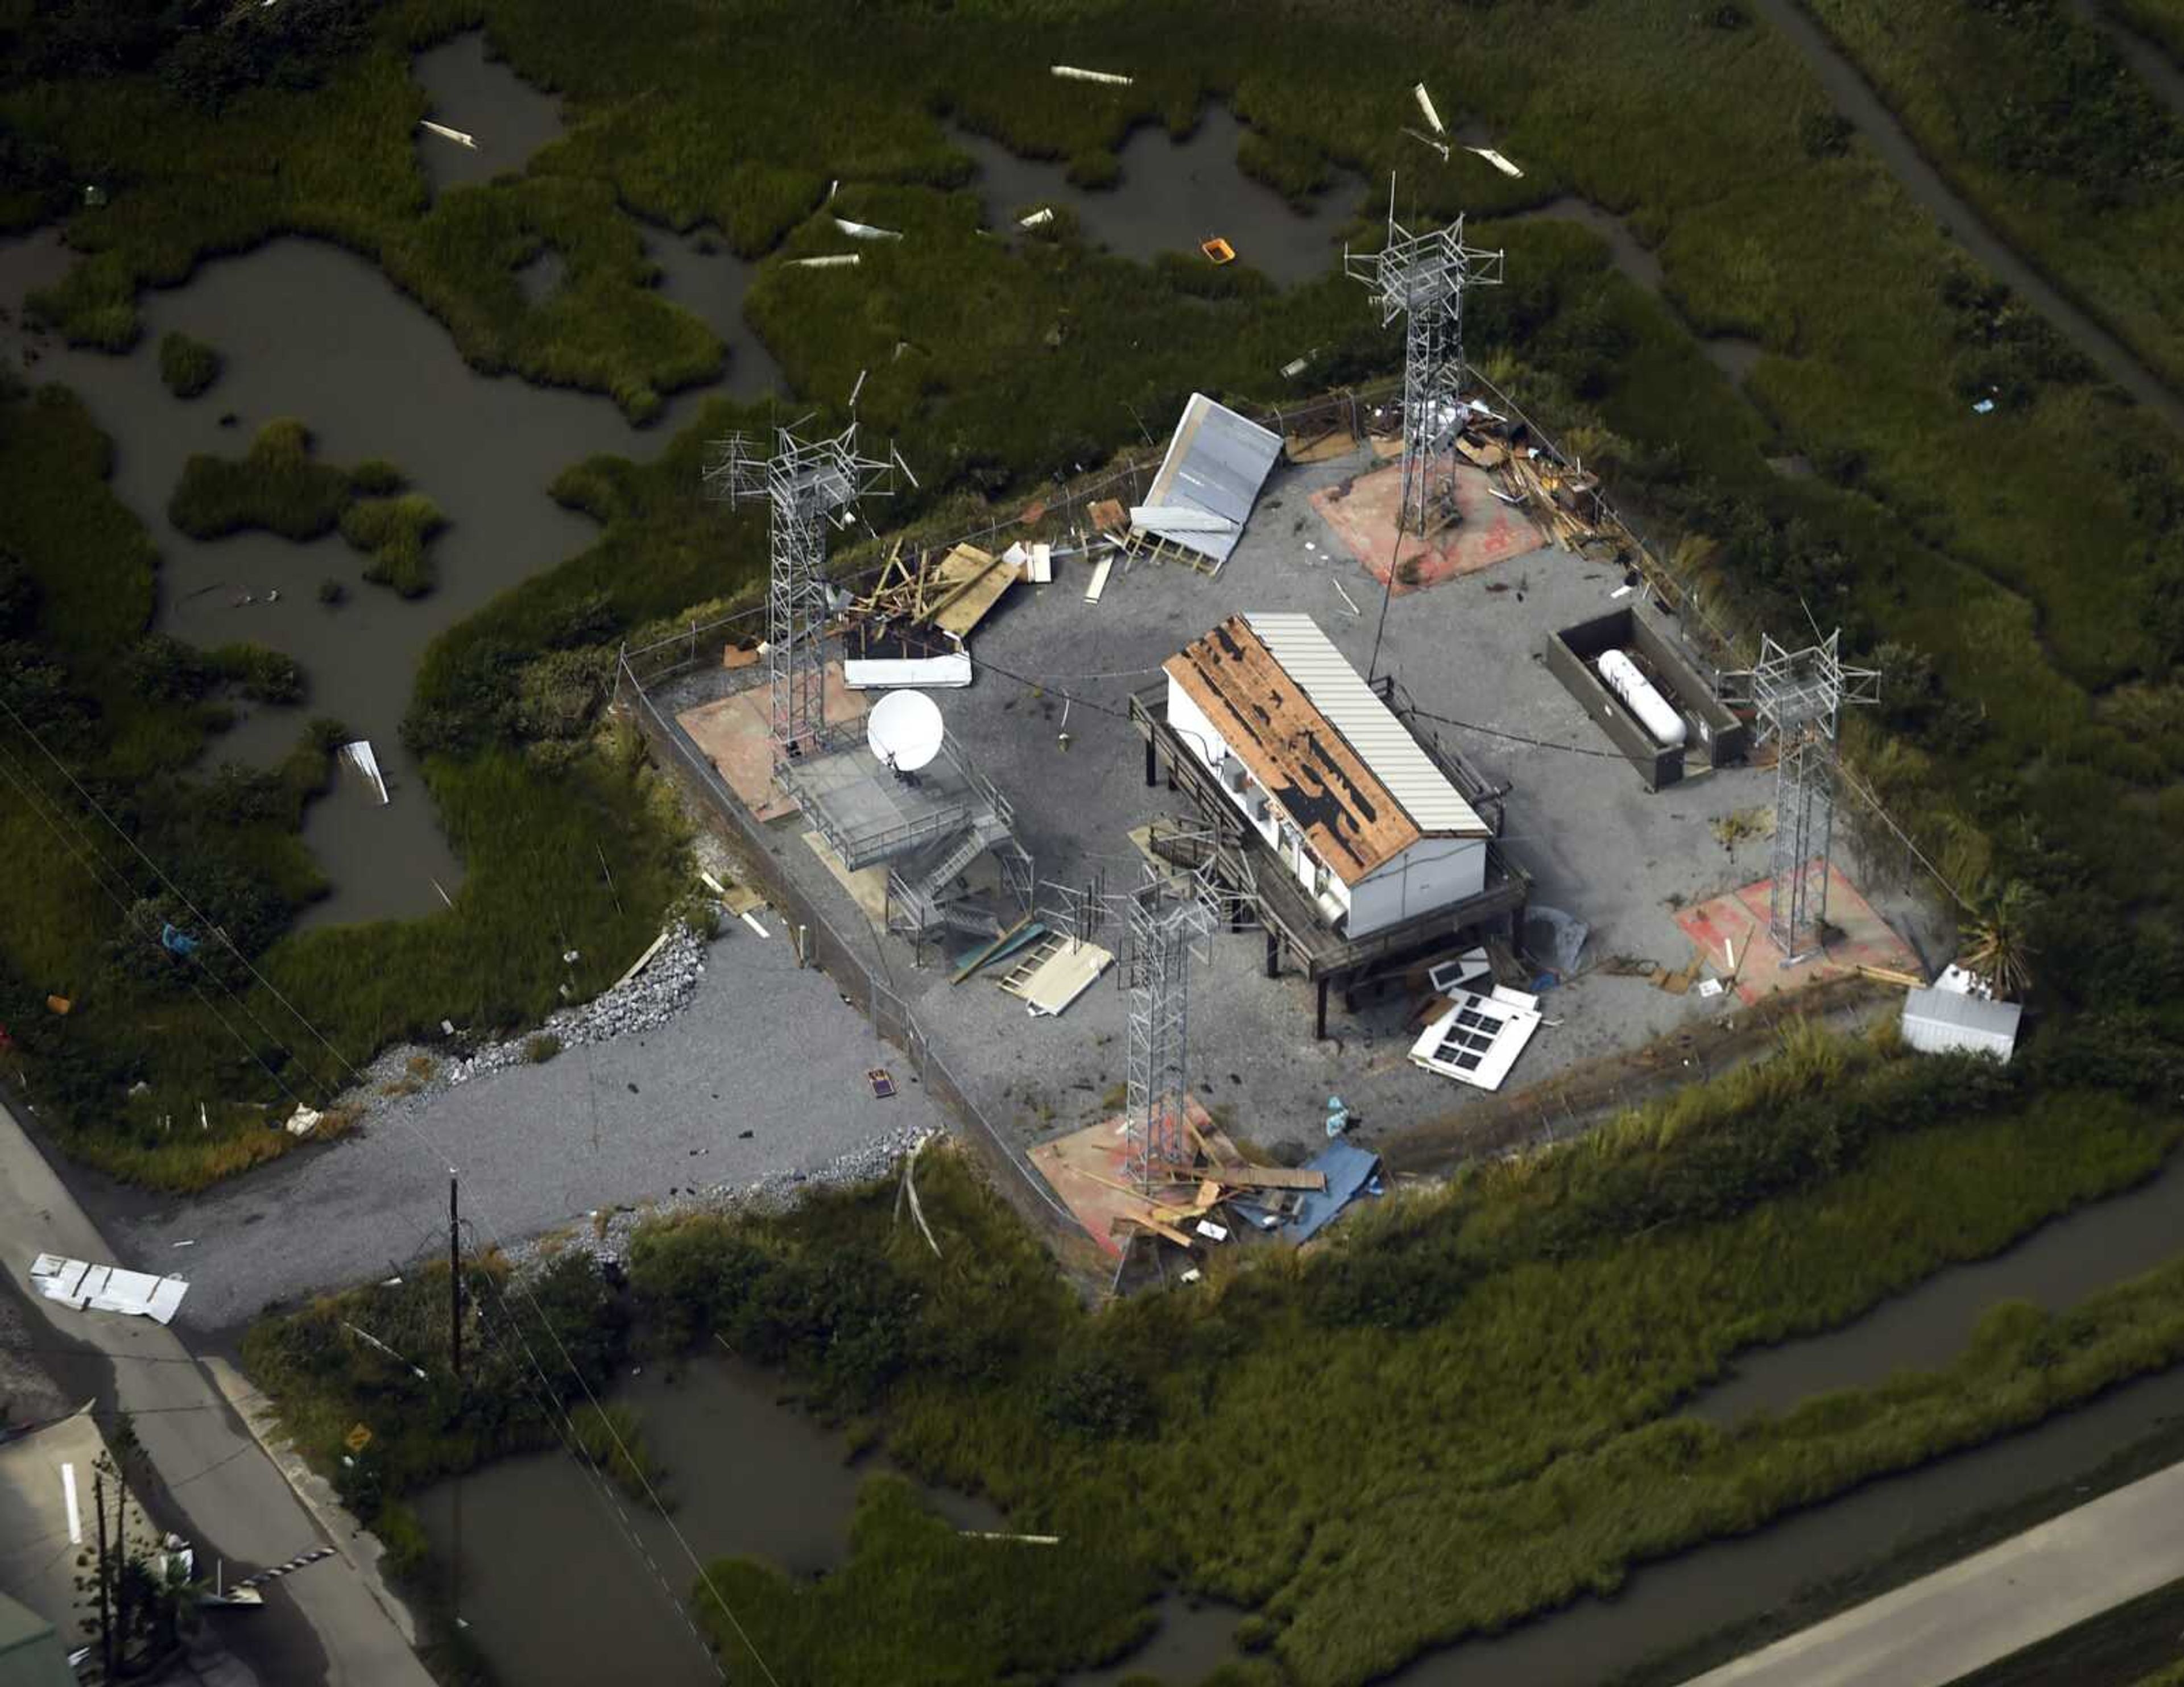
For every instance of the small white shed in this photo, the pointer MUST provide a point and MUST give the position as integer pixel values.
(1938, 1022)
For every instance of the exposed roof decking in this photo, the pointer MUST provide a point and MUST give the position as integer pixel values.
(1383, 743)
(1327, 786)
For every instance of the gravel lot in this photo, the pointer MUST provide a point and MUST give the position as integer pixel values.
(760, 1078)
(1598, 846)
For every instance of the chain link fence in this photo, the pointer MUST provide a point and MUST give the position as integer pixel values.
(860, 971)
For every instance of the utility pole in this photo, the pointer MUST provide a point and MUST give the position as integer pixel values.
(105, 1617)
(121, 1566)
(455, 1281)
(455, 1365)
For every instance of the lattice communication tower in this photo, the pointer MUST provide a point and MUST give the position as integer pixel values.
(805, 483)
(1422, 278)
(1799, 696)
(1171, 917)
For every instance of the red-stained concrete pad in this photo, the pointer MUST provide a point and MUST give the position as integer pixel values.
(732, 735)
(1731, 932)
(1364, 519)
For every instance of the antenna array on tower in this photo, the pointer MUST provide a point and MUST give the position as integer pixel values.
(1422, 278)
(804, 481)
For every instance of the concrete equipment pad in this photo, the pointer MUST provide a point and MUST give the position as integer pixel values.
(1364, 519)
(733, 732)
(1737, 923)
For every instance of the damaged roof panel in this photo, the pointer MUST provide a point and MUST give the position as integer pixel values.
(1309, 657)
(1349, 776)
(1216, 464)
(1327, 791)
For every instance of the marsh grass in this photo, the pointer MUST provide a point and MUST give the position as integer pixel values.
(393, 532)
(1499, 1371)
(1516, 1443)
(187, 366)
(278, 486)
(2039, 121)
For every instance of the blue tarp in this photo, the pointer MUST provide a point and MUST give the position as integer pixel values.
(1349, 1169)
(177, 941)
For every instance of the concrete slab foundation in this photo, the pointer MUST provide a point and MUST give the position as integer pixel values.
(1731, 932)
(1363, 518)
(733, 732)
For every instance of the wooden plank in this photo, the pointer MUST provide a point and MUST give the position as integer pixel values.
(1166, 1232)
(967, 607)
(1884, 975)
(1267, 1177)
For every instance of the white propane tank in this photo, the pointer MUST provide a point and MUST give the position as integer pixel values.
(1653, 709)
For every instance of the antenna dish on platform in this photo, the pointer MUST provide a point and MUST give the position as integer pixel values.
(904, 730)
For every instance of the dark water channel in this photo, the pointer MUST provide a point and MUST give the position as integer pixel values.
(2146, 58)
(508, 118)
(310, 332)
(1855, 98)
(559, 1596)
(1172, 195)
(1733, 354)
(557, 1593)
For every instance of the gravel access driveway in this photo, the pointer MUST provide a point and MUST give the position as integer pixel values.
(760, 1076)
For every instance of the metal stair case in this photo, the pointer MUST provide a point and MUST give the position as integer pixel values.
(919, 900)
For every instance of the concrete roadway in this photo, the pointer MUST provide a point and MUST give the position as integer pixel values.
(1943, 1627)
(235, 1503)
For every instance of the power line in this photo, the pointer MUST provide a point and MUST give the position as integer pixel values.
(1515, 738)
(7, 765)
(350, 1067)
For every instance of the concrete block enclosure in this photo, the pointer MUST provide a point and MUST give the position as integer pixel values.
(1716, 737)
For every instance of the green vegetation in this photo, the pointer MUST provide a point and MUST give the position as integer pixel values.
(541, 1047)
(2035, 735)
(129, 715)
(279, 486)
(393, 532)
(2028, 108)
(2160, 20)
(612, 1439)
(1502, 1366)
(188, 366)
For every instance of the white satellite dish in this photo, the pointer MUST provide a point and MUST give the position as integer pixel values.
(904, 730)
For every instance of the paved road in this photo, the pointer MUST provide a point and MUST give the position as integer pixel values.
(237, 1504)
(764, 1072)
(1944, 1626)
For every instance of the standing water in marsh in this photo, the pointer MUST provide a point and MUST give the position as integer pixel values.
(1172, 195)
(558, 1595)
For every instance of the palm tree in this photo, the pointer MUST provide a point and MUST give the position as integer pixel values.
(1997, 941)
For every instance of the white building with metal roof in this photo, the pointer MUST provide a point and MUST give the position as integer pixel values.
(1322, 769)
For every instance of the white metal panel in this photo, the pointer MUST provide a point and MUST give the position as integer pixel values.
(946, 672)
(1382, 742)
(1216, 462)
(1065, 975)
(1938, 1022)
(1477, 1041)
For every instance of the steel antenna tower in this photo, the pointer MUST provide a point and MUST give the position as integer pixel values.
(803, 482)
(1171, 918)
(1799, 696)
(1422, 277)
